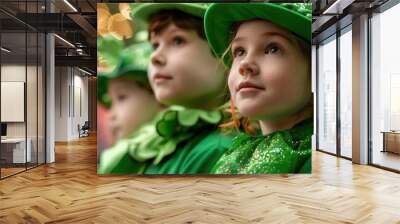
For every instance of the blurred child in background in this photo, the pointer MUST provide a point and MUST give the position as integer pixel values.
(185, 75)
(128, 90)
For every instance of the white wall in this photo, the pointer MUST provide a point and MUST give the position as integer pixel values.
(13, 73)
(16, 73)
(33, 126)
(61, 103)
(71, 87)
(80, 100)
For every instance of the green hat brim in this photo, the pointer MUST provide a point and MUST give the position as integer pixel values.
(143, 12)
(130, 72)
(102, 86)
(220, 17)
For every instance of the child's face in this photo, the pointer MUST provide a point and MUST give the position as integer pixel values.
(269, 77)
(182, 69)
(132, 106)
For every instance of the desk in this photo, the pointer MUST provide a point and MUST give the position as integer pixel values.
(391, 141)
(17, 150)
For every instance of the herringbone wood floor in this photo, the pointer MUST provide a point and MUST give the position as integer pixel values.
(69, 191)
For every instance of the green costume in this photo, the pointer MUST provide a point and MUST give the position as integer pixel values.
(179, 140)
(287, 151)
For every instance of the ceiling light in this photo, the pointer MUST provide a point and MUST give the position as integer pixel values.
(338, 6)
(70, 5)
(5, 49)
(86, 72)
(64, 40)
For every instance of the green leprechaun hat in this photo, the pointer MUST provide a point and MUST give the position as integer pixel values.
(132, 64)
(143, 12)
(219, 18)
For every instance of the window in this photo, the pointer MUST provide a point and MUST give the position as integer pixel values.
(327, 95)
(385, 89)
(346, 75)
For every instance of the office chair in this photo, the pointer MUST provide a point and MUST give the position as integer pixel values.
(84, 130)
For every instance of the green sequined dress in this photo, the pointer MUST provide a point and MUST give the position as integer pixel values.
(287, 151)
(177, 141)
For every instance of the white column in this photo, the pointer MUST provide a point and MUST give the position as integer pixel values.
(360, 90)
(50, 93)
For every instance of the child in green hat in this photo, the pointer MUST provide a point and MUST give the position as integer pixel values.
(267, 48)
(126, 88)
(185, 75)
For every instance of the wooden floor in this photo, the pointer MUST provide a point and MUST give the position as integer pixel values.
(388, 159)
(10, 171)
(70, 191)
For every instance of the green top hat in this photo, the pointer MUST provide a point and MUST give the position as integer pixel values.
(132, 64)
(219, 18)
(143, 12)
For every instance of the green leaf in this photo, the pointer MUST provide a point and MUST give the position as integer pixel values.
(188, 117)
(110, 48)
(211, 117)
(166, 126)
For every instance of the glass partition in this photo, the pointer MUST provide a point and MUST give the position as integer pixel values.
(14, 153)
(22, 88)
